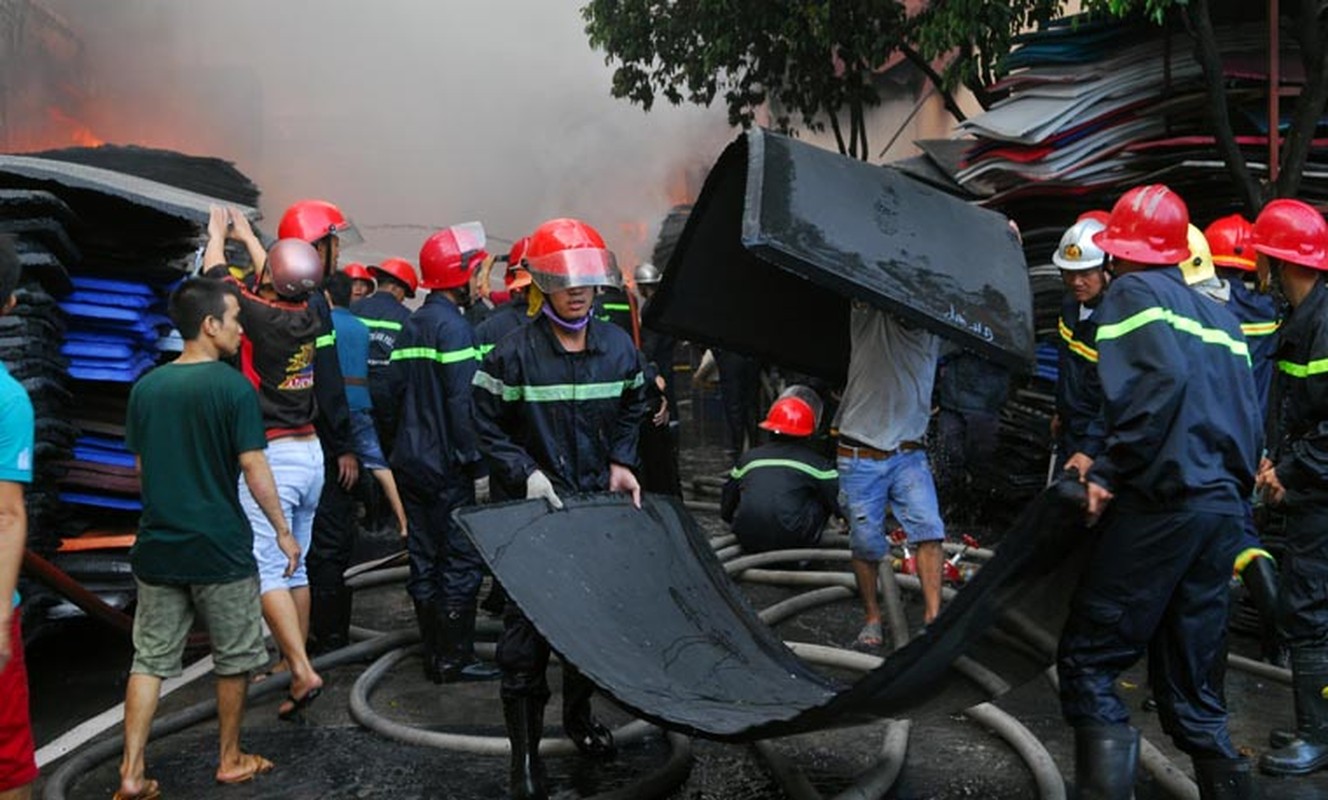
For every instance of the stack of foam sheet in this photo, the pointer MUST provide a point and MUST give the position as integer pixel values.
(103, 235)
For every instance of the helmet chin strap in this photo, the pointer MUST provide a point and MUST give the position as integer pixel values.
(567, 325)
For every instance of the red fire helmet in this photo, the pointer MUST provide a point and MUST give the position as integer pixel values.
(440, 262)
(357, 272)
(311, 220)
(797, 412)
(1229, 239)
(567, 253)
(400, 270)
(295, 266)
(1293, 231)
(1148, 225)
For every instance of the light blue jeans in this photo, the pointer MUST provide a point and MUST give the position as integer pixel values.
(297, 467)
(902, 484)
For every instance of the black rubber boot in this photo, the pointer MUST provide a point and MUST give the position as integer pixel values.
(525, 725)
(1308, 752)
(1260, 579)
(426, 616)
(495, 601)
(458, 662)
(589, 735)
(1105, 760)
(1224, 778)
(329, 619)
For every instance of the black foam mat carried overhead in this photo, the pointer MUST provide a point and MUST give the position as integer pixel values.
(784, 234)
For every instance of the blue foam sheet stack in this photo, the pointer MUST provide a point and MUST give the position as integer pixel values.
(118, 330)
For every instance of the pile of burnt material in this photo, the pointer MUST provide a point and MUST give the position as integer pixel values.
(104, 234)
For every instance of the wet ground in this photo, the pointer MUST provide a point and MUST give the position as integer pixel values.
(81, 672)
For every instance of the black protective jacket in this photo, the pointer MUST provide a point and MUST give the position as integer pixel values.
(539, 406)
(1302, 380)
(1078, 389)
(779, 495)
(384, 315)
(504, 319)
(1182, 413)
(432, 366)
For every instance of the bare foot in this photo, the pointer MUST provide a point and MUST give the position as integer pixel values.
(276, 669)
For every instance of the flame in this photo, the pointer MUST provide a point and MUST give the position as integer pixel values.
(71, 130)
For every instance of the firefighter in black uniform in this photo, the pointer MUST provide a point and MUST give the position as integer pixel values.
(1078, 427)
(779, 495)
(1294, 237)
(384, 312)
(1182, 442)
(510, 315)
(558, 405)
(437, 460)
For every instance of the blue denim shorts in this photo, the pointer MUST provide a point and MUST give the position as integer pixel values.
(364, 438)
(297, 468)
(901, 484)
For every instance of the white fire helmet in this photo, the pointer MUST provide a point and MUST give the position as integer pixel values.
(1076, 251)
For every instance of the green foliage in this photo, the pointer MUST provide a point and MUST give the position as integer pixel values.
(808, 59)
(1156, 10)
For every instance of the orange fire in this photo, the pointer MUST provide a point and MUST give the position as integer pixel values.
(71, 130)
(633, 241)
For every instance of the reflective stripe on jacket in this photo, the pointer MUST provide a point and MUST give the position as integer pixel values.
(539, 406)
(1183, 428)
(1302, 375)
(431, 369)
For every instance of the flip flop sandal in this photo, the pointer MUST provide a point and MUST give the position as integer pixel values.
(298, 704)
(259, 766)
(869, 638)
(150, 791)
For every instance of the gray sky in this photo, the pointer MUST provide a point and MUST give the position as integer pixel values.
(401, 112)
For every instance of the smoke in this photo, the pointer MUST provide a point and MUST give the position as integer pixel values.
(403, 113)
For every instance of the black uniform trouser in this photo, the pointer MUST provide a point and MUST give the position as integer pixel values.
(1156, 581)
(523, 656)
(1303, 600)
(739, 389)
(333, 541)
(659, 459)
(445, 568)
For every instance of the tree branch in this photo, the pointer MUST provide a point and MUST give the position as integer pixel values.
(1309, 108)
(1205, 50)
(936, 80)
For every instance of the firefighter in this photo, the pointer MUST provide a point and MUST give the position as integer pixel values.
(780, 494)
(361, 281)
(1294, 238)
(384, 312)
(437, 462)
(558, 406)
(1167, 496)
(659, 430)
(514, 313)
(1254, 565)
(322, 225)
(1077, 428)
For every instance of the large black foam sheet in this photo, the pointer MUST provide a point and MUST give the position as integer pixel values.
(639, 602)
(785, 233)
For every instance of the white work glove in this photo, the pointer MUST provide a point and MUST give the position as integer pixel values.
(482, 490)
(538, 485)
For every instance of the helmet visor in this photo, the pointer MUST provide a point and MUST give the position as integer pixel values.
(809, 396)
(568, 269)
(469, 236)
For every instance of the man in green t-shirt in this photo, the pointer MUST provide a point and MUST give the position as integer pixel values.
(194, 425)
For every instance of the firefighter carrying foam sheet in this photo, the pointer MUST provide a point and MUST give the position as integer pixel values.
(558, 407)
(1168, 493)
(1078, 426)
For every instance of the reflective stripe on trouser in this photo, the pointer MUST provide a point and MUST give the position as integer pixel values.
(1303, 600)
(1155, 582)
(445, 567)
